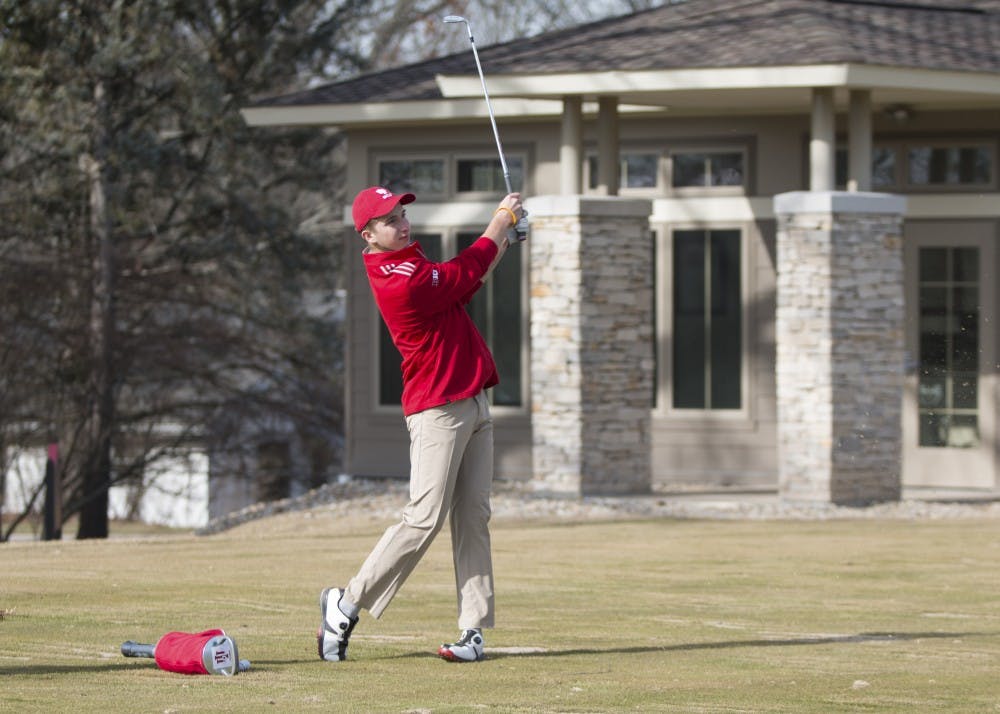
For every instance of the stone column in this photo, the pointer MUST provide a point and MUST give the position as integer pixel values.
(591, 344)
(840, 349)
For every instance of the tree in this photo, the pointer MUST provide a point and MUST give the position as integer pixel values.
(156, 250)
(394, 32)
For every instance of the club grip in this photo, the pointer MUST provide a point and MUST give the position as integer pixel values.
(137, 649)
(520, 230)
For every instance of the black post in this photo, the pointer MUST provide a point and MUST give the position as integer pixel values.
(53, 496)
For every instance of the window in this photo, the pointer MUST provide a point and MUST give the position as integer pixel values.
(685, 170)
(950, 165)
(707, 315)
(450, 175)
(420, 176)
(948, 382)
(703, 169)
(921, 166)
(496, 311)
(635, 170)
(487, 174)
(883, 167)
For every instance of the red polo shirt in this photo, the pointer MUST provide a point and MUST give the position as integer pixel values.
(423, 304)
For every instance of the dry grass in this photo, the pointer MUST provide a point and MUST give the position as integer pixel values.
(665, 616)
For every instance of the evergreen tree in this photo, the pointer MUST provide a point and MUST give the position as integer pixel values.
(155, 252)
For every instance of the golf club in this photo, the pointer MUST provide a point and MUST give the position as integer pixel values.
(521, 229)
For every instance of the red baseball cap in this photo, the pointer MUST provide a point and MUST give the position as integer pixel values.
(374, 202)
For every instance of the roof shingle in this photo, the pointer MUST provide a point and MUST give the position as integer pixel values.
(957, 35)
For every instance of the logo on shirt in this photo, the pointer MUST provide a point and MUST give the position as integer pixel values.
(434, 277)
(406, 269)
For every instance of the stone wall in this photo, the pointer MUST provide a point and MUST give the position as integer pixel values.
(591, 344)
(840, 348)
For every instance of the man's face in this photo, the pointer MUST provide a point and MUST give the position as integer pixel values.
(388, 233)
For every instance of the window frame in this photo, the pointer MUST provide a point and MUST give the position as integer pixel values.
(742, 148)
(665, 151)
(379, 158)
(458, 156)
(948, 409)
(901, 146)
(590, 163)
(952, 143)
(450, 158)
(744, 416)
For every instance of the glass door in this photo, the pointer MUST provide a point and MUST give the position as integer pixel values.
(948, 409)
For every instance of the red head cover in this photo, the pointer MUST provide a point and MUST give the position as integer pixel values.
(183, 652)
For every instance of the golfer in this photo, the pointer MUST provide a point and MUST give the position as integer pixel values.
(446, 368)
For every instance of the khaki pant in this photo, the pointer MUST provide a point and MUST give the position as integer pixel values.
(451, 470)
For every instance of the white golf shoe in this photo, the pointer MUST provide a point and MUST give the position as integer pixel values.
(469, 648)
(336, 627)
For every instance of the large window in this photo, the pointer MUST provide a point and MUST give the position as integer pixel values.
(496, 311)
(707, 311)
(948, 377)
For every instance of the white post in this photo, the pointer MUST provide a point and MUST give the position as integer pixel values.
(571, 147)
(859, 150)
(822, 147)
(607, 146)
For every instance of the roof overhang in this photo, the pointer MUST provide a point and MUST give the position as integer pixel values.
(380, 113)
(677, 91)
(748, 89)
(631, 85)
(373, 114)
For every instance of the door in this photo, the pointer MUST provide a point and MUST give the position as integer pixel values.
(948, 402)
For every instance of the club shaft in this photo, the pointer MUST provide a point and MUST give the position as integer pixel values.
(489, 109)
(520, 229)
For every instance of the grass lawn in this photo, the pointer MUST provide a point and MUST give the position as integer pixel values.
(653, 616)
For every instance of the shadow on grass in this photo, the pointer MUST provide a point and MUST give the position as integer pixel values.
(29, 669)
(731, 644)
(262, 665)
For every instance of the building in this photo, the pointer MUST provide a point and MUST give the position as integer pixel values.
(763, 249)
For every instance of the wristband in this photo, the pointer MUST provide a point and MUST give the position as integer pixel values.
(513, 218)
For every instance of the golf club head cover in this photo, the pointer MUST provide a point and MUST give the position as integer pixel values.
(208, 652)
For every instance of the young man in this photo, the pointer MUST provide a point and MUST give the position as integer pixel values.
(446, 368)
